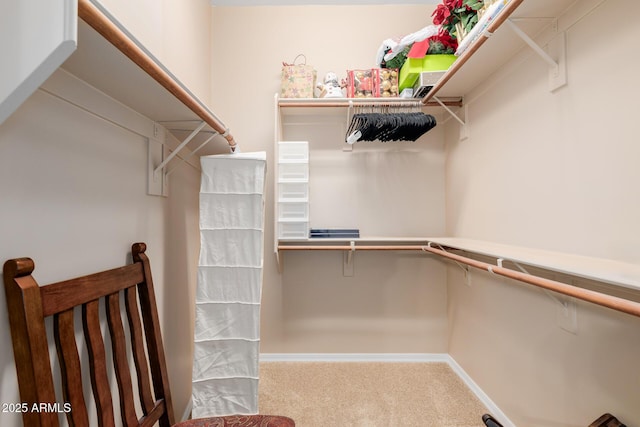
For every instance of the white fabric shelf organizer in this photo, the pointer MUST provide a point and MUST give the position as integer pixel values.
(227, 314)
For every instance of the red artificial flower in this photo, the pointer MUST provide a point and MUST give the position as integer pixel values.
(441, 15)
(442, 43)
(451, 12)
(445, 38)
(453, 4)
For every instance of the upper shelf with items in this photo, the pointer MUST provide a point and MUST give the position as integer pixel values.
(495, 46)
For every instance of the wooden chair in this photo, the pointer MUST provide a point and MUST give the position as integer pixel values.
(29, 305)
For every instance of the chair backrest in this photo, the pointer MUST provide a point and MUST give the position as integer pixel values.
(29, 304)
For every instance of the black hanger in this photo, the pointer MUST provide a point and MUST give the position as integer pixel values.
(387, 127)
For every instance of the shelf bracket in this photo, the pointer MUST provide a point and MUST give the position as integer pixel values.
(347, 260)
(156, 179)
(466, 271)
(524, 270)
(279, 261)
(184, 159)
(449, 110)
(175, 152)
(348, 147)
(566, 310)
(557, 47)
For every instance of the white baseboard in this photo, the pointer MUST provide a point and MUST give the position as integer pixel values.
(480, 394)
(354, 357)
(492, 408)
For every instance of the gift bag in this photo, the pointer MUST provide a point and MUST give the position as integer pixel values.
(298, 80)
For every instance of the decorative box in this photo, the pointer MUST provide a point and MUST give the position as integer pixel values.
(363, 83)
(388, 82)
(372, 83)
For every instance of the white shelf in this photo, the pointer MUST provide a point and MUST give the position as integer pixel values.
(598, 269)
(333, 106)
(488, 54)
(107, 68)
(361, 240)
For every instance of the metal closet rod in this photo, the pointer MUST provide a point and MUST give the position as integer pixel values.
(609, 301)
(114, 35)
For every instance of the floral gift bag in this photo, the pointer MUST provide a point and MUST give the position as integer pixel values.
(298, 80)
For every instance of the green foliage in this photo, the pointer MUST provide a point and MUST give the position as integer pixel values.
(399, 60)
(474, 4)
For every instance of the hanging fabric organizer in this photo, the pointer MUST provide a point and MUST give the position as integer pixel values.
(227, 313)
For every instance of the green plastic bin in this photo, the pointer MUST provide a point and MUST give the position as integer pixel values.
(414, 66)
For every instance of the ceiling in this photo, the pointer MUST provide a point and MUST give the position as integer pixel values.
(316, 2)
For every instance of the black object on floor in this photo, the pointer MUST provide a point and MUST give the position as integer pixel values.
(489, 421)
(607, 420)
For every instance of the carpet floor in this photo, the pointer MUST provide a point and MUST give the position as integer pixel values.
(379, 394)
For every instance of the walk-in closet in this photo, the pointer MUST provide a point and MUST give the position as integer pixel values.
(497, 245)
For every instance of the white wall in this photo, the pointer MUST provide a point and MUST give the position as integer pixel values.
(74, 199)
(394, 302)
(178, 33)
(555, 171)
(552, 171)
(73, 191)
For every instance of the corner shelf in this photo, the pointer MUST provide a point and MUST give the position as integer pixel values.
(612, 272)
(619, 274)
(622, 276)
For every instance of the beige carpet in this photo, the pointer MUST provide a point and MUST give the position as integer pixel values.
(358, 394)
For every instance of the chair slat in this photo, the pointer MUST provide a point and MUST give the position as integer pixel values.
(98, 364)
(119, 349)
(137, 346)
(64, 333)
(61, 296)
(154, 415)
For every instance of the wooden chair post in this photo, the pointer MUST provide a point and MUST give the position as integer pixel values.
(29, 337)
(153, 335)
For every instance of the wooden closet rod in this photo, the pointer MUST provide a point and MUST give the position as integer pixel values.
(457, 102)
(615, 303)
(348, 248)
(114, 35)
